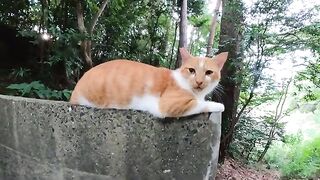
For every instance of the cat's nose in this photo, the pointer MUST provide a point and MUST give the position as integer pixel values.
(199, 83)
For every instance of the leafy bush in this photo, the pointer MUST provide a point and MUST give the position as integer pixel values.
(250, 143)
(296, 159)
(61, 49)
(36, 89)
(65, 48)
(20, 73)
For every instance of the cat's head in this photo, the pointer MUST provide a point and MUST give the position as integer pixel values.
(202, 73)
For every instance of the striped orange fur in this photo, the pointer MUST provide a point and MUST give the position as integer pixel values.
(125, 84)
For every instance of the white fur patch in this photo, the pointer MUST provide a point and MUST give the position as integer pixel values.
(83, 101)
(180, 80)
(201, 63)
(205, 106)
(207, 90)
(148, 103)
(183, 83)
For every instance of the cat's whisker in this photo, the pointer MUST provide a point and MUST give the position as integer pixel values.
(217, 95)
(219, 88)
(219, 91)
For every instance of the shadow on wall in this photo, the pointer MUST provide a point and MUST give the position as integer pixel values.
(53, 140)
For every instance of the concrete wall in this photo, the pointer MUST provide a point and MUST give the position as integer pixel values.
(51, 140)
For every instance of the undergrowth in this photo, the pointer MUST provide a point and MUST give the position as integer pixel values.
(296, 159)
(36, 89)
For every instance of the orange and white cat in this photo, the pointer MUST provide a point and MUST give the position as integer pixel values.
(125, 84)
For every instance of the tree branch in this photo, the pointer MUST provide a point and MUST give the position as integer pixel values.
(97, 15)
(80, 18)
(213, 28)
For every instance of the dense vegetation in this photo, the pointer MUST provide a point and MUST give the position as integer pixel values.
(46, 46)
(296, 159)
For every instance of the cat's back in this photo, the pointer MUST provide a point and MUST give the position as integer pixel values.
(123, 70)
(123, 64)
(116, 81)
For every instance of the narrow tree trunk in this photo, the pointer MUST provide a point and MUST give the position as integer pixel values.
(44, 14)
(97, 15)
(213, 28)
(65, 8)
(86, 44)
(266, 148)
(82, 28)
(183, 29)
(277, 117)
(192, 38)
(173, 45)
(230, 41)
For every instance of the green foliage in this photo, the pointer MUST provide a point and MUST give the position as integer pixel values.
(296, 159)
(65, 49)
(293, 139)
(14, 12)
(199, 34)
(145, 31)
(249, 143)
(36, 89)
(263, 41)
(195, 7)
(308, 82)
(20, 73)
(137, 38)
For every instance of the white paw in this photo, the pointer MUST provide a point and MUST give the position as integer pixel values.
(216, 107)
(220, 107)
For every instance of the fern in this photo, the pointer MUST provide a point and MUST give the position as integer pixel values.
(36, 89)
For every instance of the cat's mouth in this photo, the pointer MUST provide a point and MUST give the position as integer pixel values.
(198, 88)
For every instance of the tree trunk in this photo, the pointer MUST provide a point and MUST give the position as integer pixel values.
(97, 15)
(86, 44)
(82, 28)
(266, 148)
(182, 30)
(277, 117)
(213, 28)
(192, 39)
(230, 41)
(171, 64)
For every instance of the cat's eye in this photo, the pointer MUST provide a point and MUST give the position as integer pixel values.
(208, 72)
(192, 71)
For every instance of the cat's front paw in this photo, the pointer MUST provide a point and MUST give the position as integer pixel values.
(220, 107)
(216, 107)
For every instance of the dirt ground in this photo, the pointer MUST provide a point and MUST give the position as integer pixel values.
(233, 170)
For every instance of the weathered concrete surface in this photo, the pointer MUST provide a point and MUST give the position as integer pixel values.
(49, 140)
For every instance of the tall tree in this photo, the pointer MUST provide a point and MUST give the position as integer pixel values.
(213, 27)
(279, 114)
(230, 41)
(183, 29)
(86, 44)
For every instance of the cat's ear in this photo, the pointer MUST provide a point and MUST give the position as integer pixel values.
(220, 59)
(185, 55)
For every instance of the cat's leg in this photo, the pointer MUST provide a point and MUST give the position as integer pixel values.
(186, 105)
(204, 106)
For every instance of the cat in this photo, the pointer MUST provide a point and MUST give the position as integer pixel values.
(124, 84)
